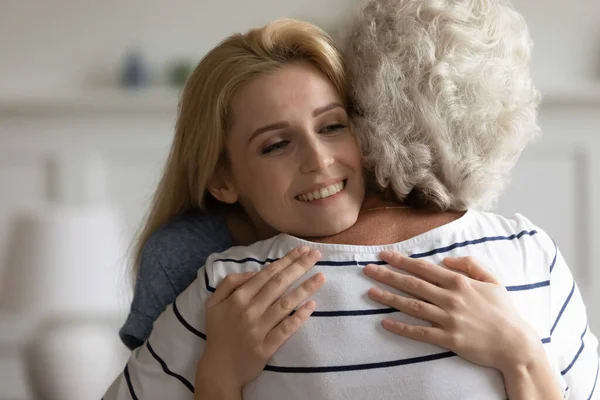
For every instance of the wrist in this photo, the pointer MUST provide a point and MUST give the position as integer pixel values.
(524, 369)
(533, 379)
(519, 360)
(210, 385)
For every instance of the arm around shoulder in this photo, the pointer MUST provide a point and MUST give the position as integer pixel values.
(168, 264)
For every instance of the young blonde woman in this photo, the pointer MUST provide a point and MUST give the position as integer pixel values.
(287, 77)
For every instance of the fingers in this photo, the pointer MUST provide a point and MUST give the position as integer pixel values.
(439, 275)
(282, 332)
(471, 268)
(427, 334)
(227, 286)
(282, 280)
(414, 307)
(286, 304)
(430, 272)
(408, 284)
(255, 285)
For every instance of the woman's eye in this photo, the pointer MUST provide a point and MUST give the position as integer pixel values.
(274, 147)
(333, 128)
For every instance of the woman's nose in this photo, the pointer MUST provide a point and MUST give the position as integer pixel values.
(317, 158)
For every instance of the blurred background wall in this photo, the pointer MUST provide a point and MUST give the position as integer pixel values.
(62, 104)
(60, 45)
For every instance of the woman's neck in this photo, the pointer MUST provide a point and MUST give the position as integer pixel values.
(241, 228)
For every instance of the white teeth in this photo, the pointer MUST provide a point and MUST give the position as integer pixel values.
(322, 193)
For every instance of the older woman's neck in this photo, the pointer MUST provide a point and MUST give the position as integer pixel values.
(383, 221)
(376, 200)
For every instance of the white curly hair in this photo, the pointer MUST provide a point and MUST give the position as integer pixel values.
(443, 97)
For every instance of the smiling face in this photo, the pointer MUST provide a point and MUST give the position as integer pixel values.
(294, 164)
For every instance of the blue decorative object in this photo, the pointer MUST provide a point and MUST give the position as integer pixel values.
(135, 73)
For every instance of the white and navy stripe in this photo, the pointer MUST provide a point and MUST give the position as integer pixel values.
(344, 352)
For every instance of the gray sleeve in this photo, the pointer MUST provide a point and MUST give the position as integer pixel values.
(169, 262)
(153, 291)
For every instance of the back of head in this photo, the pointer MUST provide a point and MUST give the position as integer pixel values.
(443, 97)
(204, 110)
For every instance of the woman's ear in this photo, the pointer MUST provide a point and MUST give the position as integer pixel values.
(222, 188)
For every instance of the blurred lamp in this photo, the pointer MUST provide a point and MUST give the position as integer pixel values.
(65, 270)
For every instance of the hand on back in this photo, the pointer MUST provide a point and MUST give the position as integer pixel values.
(471, 313)
(248, 319)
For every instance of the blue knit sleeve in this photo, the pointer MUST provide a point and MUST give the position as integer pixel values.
(169, 262)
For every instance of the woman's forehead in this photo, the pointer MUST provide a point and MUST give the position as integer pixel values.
(297, 89)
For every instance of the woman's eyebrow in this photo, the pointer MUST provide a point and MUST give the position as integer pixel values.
(266, 128)
(326, 108)
(283, 124)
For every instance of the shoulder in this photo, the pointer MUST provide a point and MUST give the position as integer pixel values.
(193, 233)
(513, 227)
(252, 258)
(274, 247)
(180, 247)
(516, 238)
(169, 262)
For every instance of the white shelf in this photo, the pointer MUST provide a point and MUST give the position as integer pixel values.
(575, 96)
(109, 101)
(165, 101)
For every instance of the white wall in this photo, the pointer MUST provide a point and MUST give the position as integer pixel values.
(566, 37)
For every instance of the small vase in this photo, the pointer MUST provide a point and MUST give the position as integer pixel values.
(135, 71)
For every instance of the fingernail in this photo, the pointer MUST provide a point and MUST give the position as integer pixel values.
(388, 323)
(375, 292)
(315, 253)
(318, 278)
(388, 254)
(371, 269)
(310, 306)
(303, 250)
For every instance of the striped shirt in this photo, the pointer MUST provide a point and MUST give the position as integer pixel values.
(343, 352)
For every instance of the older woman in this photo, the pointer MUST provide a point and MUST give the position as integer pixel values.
(436, 93)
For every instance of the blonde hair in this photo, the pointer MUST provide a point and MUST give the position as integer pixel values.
(444, 97)
(204, 114)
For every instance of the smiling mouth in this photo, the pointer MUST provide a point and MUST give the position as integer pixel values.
(322, 193)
